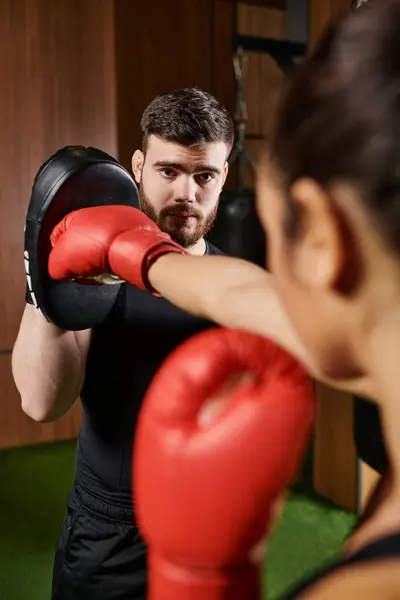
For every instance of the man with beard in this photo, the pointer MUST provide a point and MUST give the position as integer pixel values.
(180, 172)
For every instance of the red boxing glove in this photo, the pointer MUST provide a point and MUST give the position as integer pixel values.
(120, 240)
(204, 494)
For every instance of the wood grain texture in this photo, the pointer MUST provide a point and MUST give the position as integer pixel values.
(368, 481)
(263, 77)
(81, 72)
(335, 460)
(188, 44)
(58, 88)
(58, 68)
(223, 83)
(170, 49)
(335, 473)
(322, 12)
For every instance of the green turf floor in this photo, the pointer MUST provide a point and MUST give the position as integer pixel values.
(34, 483)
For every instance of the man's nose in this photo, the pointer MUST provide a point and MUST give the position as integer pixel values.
(186, 189)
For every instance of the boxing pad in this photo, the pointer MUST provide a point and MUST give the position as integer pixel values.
(221, 434)
(74, 177)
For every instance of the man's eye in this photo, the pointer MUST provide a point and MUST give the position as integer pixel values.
(168, 172)
(206, 177)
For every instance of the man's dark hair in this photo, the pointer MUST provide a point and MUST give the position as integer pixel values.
(340, 115)
(188, 117)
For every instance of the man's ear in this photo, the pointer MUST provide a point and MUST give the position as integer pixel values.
(137, 165)
(225, 172)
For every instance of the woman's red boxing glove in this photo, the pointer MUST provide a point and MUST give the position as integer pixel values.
(117, 240)
(204, 493)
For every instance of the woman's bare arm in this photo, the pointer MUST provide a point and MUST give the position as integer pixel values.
(237, 294)
(231, 292)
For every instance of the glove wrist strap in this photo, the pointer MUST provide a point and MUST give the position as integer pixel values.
(169, 581)
(153, 255)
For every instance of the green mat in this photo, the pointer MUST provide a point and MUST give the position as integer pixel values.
(35, 482)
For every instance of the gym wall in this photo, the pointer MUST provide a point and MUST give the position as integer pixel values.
(57, 88)
(81, 72)
(263, 77)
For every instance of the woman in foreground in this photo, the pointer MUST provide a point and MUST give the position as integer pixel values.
(329, 199)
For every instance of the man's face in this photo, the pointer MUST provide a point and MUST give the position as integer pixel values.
(179, 187)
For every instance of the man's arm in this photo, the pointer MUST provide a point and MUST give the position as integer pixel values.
(48, 366)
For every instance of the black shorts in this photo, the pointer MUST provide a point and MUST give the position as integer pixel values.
(100, 555)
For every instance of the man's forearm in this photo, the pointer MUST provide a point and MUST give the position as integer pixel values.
(47, 366)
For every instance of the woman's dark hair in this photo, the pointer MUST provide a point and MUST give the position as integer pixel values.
(189, 117)
(340, 114)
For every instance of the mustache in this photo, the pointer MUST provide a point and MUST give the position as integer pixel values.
(182, 209)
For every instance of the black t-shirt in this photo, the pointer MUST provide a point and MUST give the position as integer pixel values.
(126, 351)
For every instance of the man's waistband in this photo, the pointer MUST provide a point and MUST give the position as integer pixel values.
(101, 506)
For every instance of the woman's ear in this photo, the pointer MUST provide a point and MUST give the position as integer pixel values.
(325, 256)
(137, 165)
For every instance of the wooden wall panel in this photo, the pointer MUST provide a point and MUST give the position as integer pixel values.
(57, 60)
(323, 12)
(81, 72)
(369, 480)
(336, 474)
(188, 44)
(263, 77)
(58, 88)
(223, 84)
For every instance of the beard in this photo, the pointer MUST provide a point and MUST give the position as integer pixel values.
(188, 231)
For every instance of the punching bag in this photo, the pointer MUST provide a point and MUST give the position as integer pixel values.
(237, 230)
